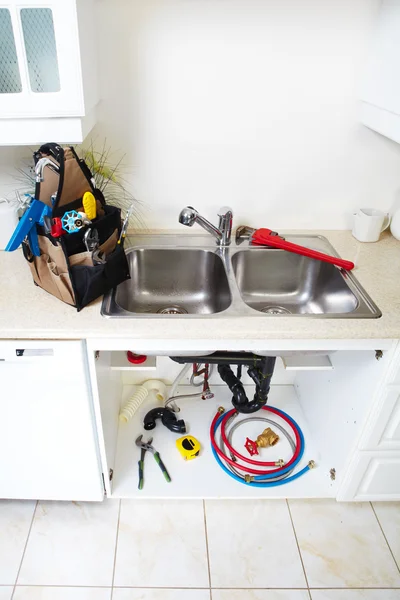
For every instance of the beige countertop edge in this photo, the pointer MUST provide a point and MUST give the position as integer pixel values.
(27, 312)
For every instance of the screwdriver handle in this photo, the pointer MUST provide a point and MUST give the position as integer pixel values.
(141, 477)
(162, 466)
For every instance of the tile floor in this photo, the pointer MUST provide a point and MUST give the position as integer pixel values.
(194, 550)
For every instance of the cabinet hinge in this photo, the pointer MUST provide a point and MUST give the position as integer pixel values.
(378, 354)
(332, 473)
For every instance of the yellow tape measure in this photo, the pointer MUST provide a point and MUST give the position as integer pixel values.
(188, 446)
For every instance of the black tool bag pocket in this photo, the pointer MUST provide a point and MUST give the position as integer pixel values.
(90, 282)
(105, 226)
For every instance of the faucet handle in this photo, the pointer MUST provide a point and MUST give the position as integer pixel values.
(224, 210)
(225, 215)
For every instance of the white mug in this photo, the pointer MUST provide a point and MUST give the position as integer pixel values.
(369, 224)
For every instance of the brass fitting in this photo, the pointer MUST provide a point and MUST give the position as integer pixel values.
(248, 478)
(267, 438)
(221, 410)
(280, 463)
(312, 464)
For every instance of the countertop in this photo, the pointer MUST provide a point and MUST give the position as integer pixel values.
(28, 312)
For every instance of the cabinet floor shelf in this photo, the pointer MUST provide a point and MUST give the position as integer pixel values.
(202, 477)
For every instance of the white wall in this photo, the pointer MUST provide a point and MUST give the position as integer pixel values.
(251, 103)
(12, 158)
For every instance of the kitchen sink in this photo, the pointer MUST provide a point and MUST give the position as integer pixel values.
(186, 276)
(174, 282)
(278, 282)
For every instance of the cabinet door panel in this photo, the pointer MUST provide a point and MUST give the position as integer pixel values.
(381, 478)
(383, 432)
(372, 476)
(48, 446)
(391, 434)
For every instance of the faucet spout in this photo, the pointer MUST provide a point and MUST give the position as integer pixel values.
(189, 216)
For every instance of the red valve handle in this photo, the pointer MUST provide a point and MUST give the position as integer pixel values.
(251, 447)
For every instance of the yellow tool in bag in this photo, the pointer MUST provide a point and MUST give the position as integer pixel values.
(89, 205)
(188, 446)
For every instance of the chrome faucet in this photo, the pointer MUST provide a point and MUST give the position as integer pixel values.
(189, 215)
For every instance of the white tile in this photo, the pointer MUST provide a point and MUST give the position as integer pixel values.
(388, 514)
(6, 592)
(160, 594)
(252, 545)
(61, 593)
(342, 545)
(355, 594)
(161, 544)
(71, 543)
(260, 595)
(15, 520)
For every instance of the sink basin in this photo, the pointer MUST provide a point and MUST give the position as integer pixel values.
(175, 277)
(172, 281)
(279, 282)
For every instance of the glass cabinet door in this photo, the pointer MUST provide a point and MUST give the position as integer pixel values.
(40, 49)
(10, 79)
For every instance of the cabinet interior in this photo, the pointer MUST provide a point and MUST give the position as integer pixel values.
(331, 405)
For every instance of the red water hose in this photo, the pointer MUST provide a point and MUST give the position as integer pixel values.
(244, 458)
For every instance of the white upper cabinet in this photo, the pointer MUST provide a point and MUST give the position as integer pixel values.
(380, 108)
(48, 83)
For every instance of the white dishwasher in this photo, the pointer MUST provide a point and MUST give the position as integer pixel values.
(48, 444)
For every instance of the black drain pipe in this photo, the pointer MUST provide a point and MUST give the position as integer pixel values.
(260, 369)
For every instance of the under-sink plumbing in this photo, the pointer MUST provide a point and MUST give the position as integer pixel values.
(189, 216)
(259, 368)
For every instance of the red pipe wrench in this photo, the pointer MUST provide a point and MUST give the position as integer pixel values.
(267, 237)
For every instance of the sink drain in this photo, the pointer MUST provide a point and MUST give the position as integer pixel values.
(276, 310)
(172, 310)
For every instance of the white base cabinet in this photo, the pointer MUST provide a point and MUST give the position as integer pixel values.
(61, 438)
(48, 443)
(335, 407)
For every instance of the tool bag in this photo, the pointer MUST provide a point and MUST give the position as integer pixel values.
(65, 267)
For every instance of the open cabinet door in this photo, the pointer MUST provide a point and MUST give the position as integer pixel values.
(48, 441)
(107, 392)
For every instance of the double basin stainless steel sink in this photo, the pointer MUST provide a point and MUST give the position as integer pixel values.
(189, 276)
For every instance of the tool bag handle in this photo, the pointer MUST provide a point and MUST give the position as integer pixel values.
(73, 179)
(57, 153)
